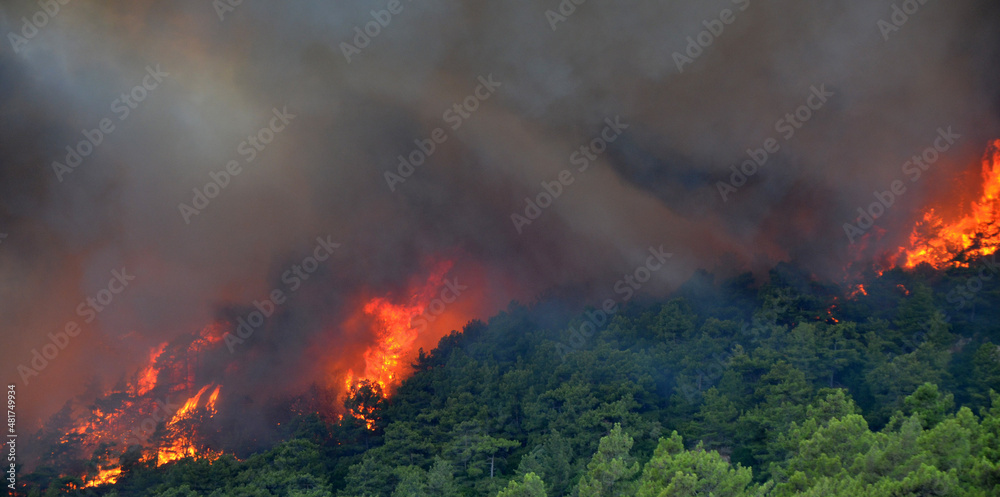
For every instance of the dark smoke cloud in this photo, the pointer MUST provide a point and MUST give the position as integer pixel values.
(324, 175)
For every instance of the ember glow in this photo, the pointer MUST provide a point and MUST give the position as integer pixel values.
(944, 242)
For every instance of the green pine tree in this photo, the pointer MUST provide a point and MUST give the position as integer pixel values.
(612, 471)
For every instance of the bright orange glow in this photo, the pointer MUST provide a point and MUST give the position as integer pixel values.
(396, 328)
(105, 477)
(120, 419)
(181, 444)
(860, 290)
(395, 336)
(941, 243)
(395, 333)
(210, 405)
(188, 406)
(147, 379)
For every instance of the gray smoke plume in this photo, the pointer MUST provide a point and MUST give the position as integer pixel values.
(692, 85)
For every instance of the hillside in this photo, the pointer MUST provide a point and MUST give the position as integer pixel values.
(729, 389)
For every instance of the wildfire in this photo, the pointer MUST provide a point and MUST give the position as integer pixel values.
(395, 332)
(181, 444)
(105, 477)
(829, 313)
(119, 416)
(940, 243)
(210, 406)
(395, 335)
(147, 379)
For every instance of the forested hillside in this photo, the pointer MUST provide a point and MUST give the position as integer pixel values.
(731, 388)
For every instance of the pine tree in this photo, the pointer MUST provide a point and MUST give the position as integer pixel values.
(612, 471)
(675, 472)
(531, 486)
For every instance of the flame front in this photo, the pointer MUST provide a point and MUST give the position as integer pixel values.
(939, 243)
(395, 337)
(116, 417)
(105, 477)
(181, 442)
(147, 379)
(386, 360)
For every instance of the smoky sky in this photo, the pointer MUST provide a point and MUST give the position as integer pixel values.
(324, 174)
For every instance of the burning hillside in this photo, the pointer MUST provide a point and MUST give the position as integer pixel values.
(972, 234)
(220, 218)
(166, 411)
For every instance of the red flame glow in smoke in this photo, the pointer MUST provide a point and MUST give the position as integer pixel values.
(944, 242)
(114, 419)
(394, 326)
(396, 329)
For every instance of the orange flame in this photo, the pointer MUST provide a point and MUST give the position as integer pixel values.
(939, 243)
(105, 477)
(147, 379)
(212, 398)
(188, 406)
(860, 290)
(124, 409)
(395, 334)
(181, 444)
(386, 361)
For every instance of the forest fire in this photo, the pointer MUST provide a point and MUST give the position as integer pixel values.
(181, 443)
(131, 415)
(105, 477)
(940, 242)
(134, 413)
(147, 379)
(396, 329)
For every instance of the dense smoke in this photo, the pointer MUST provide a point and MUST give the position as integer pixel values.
(563, 81)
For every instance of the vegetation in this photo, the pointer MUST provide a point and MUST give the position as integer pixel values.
(729, 389)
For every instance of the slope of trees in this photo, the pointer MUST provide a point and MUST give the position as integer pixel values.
(729, 389)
